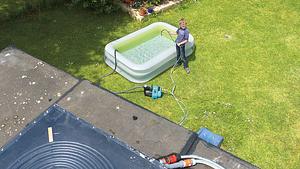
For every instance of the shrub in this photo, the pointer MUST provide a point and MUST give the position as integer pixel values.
(41, 4)
(13, 8)
(100, 6)
(139, 3)
(154, 2)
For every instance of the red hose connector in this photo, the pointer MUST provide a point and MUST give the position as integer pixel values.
(170, 159)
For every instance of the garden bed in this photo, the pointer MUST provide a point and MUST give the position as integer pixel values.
(139, 10)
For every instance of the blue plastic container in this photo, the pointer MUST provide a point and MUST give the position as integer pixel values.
(150, 10)
(210, 137)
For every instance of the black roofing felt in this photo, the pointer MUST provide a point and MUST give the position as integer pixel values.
(148, 132)
(29, 86)
(77, 144)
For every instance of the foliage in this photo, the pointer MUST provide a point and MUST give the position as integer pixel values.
(154, 2)
(139, 3)
(14, 8)
(38, 4)
(100, 6)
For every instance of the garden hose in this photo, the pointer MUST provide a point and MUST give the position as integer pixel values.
(115, 68)
(179, 102)
(161, 32)
(130, 90)
(172, 92)
(201, 160)
(176, 160)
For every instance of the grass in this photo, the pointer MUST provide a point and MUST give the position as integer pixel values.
(15, 8)
(245, 87)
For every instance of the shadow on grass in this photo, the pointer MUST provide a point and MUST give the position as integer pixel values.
(192, 57)
(16, 8)
(70, 39)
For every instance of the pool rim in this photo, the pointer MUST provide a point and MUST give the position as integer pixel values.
(137, 70)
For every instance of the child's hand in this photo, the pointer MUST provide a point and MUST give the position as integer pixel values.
(173, 33)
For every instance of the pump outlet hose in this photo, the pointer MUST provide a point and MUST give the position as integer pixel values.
(115, 66)
(165, 30)
(172, 93)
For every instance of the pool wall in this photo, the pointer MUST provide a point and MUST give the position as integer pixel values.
(140, 73)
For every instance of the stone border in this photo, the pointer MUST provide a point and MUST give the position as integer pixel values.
(134, 13)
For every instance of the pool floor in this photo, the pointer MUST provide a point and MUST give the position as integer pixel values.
(149, 49)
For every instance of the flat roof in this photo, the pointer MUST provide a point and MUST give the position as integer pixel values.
(59, 139)
(29, 86)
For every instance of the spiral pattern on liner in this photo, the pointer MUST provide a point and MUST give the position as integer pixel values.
(62, 154)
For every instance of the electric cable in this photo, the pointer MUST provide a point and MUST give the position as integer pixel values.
(179, 102)
(172, 92)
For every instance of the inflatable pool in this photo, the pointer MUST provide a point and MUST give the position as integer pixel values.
(144, 54)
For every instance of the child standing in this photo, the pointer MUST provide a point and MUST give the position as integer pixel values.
(182, 38)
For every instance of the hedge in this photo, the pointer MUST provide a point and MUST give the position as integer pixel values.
(13, 8)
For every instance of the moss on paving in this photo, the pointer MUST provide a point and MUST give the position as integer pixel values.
(245, 75)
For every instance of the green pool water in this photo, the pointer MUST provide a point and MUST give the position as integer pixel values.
(143, 47)
(149, 49)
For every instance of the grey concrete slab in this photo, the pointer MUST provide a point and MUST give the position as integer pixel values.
(28, 86)
(138, 127)
(220, 156)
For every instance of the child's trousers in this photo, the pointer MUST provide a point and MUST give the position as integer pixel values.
(181, 51)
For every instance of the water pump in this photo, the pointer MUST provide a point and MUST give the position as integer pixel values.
(153, 91)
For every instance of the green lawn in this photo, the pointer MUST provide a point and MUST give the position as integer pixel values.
(15, 8)
(246, 88)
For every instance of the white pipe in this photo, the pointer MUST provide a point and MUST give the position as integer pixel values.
(201, 160)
